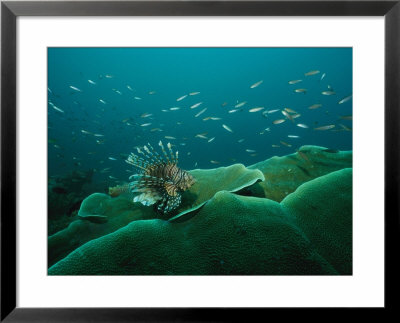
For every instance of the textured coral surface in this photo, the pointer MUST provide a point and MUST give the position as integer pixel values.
(303, 229)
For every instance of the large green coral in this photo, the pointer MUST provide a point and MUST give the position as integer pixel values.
(325, 216)
(210, 181)
(100, 214)
(233, 234)
(284, 174)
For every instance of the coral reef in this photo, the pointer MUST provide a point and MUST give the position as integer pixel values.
(230, 235)
(113, 213)
(217, 232)
(325, 216)
(284, 174)
(99, 215)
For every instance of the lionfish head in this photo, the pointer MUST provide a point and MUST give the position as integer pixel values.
(186, 182)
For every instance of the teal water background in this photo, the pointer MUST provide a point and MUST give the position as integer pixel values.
(221, 75)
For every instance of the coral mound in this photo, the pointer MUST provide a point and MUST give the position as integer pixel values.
(284, 174)
(230, 235)
(217, 232)
(100, 214)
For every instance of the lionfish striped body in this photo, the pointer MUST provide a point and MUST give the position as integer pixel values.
(160, 181)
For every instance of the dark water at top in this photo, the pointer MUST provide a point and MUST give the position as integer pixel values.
(223, 76)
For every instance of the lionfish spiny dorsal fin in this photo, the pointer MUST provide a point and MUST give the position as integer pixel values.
(176, 156)
(150, 155)
(139, 160)
(157, 156)
(136, 161)
(147, 157)
(171, 153)
(163, 150)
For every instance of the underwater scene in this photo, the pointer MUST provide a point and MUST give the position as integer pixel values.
(200, 161)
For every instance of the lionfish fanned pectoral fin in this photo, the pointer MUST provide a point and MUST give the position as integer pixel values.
(147, 198)
(169, 203)
(148, 186)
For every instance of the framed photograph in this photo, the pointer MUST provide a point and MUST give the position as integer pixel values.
(178, 160)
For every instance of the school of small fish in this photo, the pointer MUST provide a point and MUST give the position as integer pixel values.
(282, 126)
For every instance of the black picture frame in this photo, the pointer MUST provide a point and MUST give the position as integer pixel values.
(10, 10)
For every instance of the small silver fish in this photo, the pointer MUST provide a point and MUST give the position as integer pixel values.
(290, 110)
(287, 115)
(92, 82)
(227, 128)
(285, 143)
(344, 100)
(311, 73)
(201, 136)
(201, 112)
(344, 127)
(315, 106)
(196, 105)
(112, 158)
(75, 88)
(256, 109)
(240, 104)
(181, 98)
(57, 108)
(328, 92)
(325, 127)
(256, 84)
(295, 81)
(302, 125)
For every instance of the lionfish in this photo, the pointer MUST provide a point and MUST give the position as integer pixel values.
(160, 181)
